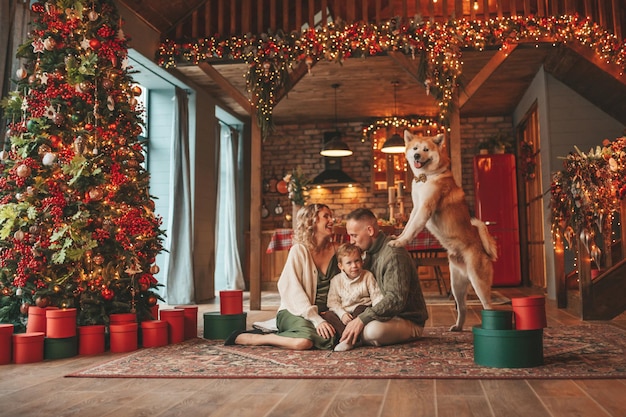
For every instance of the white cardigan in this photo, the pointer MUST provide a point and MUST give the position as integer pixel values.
(297, 285)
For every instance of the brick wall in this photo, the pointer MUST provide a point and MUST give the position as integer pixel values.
(291, 146)
(473, 130)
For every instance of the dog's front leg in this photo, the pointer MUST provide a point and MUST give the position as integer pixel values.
(415, 224)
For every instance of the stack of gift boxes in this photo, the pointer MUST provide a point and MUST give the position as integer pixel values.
(500, 344)
(230, 318)
(52, 333)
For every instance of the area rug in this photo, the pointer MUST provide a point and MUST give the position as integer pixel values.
(582, 351)
(272, 299)
(472, 299)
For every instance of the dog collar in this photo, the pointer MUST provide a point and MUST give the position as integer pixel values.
(420, 178)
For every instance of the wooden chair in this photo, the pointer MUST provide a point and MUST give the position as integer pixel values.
(432, 258)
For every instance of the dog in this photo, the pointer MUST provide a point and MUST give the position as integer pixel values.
(439, 205)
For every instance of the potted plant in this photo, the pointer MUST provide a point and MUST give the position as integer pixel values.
(483, 147)
(502, 143)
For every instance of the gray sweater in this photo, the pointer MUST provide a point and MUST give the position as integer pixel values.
(397, 278)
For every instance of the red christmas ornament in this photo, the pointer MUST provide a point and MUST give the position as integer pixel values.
(37, 8)
(94, 44)
(55, 140)
(88, 127)
(107, 294)
(42, 302)
(152, 301)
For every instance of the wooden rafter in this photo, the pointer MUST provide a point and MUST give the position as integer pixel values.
(484, 74)
(294, 77)
(225, 85)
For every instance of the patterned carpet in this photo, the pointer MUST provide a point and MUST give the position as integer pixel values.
(583, 351)
(272, 299)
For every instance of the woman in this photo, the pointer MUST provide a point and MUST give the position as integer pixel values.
(303, 287)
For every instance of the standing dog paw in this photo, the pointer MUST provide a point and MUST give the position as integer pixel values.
(396, 243)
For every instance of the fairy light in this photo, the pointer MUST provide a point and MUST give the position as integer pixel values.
(336, 42)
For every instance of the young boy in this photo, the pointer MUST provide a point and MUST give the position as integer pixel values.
(351, 291)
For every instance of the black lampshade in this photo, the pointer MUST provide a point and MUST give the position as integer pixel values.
(395, 144)
(336, 148)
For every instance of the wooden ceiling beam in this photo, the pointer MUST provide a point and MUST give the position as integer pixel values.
(404, 62)
(609, 67)
(225, 85)
(294, 77)
(483, 75)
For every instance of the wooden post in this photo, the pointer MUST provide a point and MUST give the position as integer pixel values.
(255, 216)
(559, 273)
(584, 278)
(454, 144)
(623, 226)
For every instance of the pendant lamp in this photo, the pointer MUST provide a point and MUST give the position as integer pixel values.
(394, 144)
(336, 147)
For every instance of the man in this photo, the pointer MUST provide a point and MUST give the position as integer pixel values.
(401, 314)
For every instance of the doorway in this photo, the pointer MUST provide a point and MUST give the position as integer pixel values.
(531, 201)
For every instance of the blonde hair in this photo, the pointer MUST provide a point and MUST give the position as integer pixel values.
(347, 249)
(306, 218)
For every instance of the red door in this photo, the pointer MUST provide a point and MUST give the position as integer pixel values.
(496, 204)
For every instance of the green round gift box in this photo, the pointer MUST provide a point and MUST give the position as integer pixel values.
(219, 326)
(508, 348)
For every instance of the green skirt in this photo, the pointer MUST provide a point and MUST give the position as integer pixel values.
(298, 327)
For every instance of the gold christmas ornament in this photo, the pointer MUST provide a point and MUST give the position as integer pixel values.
(136, 90)
(21, 73)
(43, 149)
(24, 308)
(49, 44)
(79, 145)
(96, 194)
(23, 171)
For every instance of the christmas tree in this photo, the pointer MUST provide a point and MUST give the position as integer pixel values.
(77, 223)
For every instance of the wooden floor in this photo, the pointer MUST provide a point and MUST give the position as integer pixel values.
(40, 389)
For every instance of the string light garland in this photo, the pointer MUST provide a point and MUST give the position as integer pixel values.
(407, 122)
(270, 56)
(586, 194)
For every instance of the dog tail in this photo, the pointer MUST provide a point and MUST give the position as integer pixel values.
(489, 243)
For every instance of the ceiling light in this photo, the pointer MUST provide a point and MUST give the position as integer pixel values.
(336, 147)
(395, 144)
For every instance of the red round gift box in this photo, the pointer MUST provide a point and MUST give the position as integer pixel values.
(191, 320)
(530, 312)
(175, 318)
(6, 343)
(61, 323)
(154, 333)
(231, 302)
(91, 339)
(123, 337)
(37, 319)
(28, 347)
